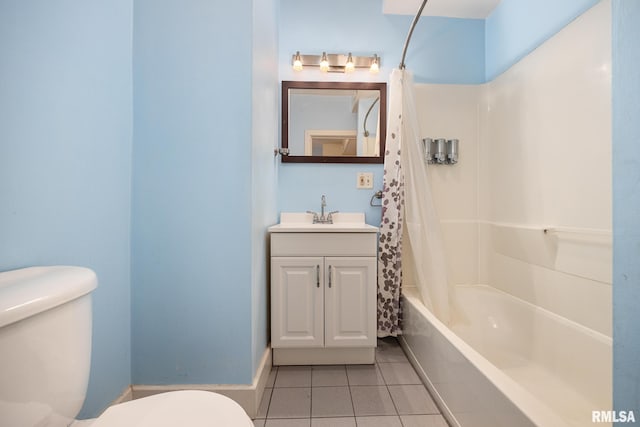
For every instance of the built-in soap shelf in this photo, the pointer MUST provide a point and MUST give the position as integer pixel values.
(585, 235)
(583, 252)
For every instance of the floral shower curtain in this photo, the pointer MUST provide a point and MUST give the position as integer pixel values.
(390, 241)
(407, 202)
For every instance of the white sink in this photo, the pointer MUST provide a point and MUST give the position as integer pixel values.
(295, 222)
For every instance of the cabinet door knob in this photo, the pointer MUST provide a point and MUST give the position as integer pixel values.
(318, 275)
(329, 276)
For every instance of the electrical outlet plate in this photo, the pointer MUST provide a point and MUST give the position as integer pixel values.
(364, 180)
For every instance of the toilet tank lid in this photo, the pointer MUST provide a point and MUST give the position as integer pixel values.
(29, 291)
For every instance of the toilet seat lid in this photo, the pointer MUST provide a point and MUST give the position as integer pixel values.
(192, 408)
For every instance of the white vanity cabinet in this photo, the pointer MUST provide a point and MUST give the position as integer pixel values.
(323, 296)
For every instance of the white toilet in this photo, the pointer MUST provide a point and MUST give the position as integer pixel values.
(45, 352)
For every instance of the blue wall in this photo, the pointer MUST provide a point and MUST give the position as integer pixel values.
(65, 159)
(516, 27)
(191, 241)
(626, 205)
(264, 166)
(442, 50)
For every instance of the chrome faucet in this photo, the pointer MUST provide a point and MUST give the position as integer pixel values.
(322, 219)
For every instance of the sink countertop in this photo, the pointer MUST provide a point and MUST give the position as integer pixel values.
(294, 222)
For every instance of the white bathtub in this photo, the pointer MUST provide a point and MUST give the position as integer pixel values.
(505, 362)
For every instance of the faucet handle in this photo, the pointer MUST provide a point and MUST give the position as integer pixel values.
(330, 217)
(315, 216)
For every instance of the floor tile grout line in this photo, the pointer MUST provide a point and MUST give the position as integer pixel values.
(268, 404)
(392, 401)
(301, 386)
(355, 420)
(310, 394)
(391, 397)
(275, 378)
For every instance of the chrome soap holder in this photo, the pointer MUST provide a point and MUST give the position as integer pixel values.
(440, 151)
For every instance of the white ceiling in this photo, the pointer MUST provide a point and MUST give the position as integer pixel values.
(476, 9)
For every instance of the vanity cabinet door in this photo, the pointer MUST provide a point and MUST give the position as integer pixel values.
(297, 314)
(350, 301)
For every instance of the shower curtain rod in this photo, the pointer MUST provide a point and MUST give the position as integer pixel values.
(413, 25)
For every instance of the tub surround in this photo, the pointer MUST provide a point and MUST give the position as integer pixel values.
(545, 164)
(514, 179)
(533, 225)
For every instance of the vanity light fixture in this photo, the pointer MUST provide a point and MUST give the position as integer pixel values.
(297, 62)
(349, 66)
(375, 64)
(336, 63)
(324, 63)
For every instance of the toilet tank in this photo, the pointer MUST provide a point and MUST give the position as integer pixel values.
(45, 344)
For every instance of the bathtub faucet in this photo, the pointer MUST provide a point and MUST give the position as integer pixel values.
(322, 219)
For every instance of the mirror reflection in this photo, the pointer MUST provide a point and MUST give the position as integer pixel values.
(333, 122)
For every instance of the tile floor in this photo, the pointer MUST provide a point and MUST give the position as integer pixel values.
(387, 394)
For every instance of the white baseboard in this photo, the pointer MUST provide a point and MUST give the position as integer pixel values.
(125, 396)
(246, 395)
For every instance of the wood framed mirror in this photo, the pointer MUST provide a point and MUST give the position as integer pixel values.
(333, 122)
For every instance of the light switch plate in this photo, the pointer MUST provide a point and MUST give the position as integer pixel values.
(365, 180)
